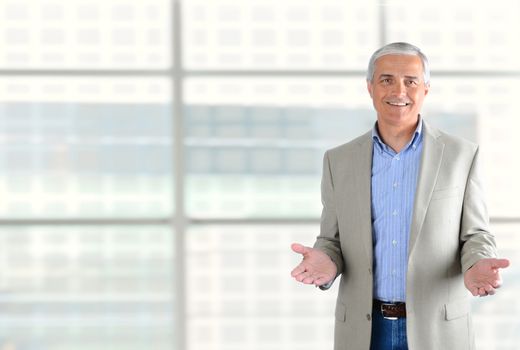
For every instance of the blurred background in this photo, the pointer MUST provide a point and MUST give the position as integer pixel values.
(158, 157)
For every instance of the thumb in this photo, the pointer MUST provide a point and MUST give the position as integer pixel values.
(500, 263)
(300, 249)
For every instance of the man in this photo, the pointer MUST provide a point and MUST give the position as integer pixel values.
(404, 223)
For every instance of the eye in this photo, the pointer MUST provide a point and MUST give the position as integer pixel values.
(386, 81)
(411, 83)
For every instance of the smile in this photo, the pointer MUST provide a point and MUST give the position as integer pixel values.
(399, 104)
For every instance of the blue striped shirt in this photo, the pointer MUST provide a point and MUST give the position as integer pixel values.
(394, 180)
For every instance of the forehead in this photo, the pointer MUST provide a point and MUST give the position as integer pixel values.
(399, 65)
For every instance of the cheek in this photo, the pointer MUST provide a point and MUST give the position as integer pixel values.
(379, 95)
(418, 98)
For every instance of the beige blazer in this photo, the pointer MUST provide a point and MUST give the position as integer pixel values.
(449, 233)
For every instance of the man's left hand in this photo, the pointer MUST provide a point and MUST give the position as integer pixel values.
(483, 278)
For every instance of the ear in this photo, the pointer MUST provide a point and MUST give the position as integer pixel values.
(369, 88)
(426, 88)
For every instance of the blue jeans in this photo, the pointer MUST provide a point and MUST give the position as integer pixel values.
(388, 334)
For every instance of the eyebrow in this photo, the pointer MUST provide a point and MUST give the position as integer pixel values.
(382, 76)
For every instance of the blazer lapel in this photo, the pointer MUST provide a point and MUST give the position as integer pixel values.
(362, 185)
(428, 172)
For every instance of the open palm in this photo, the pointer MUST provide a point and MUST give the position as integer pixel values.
(483, 278)
(316, 267)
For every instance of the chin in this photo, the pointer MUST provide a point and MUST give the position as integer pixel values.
(399, 118)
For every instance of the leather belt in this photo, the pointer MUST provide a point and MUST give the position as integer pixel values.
(390, 311)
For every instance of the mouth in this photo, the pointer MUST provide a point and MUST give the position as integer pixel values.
(398, 104)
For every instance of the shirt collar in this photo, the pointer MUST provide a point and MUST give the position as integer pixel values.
(414, 143)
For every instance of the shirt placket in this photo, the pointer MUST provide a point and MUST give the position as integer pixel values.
(397, 176)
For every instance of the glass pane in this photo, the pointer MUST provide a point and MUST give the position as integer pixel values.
(86, 288)
(85, 147)
(495, 319)
(460, 35)
(79, 34)
(255, 146)
(483, 110)
(242, 295)
(274, 34)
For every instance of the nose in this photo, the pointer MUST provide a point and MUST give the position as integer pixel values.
(400, 88)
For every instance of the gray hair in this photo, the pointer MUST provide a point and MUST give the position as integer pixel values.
(399, 48)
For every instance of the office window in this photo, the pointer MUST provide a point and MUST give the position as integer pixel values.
(74, 287)
(159, 157)
(494, 318)
(255, 145)
(458, 35)
(79, 34)
(241, 294)
(481, 111)
(271, 34)
(85, 147)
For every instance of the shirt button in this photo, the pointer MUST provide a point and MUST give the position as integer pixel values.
(395, 184)
(414, 146)
(394, 272)
(394, 213)
(397, 158)
(369, 317)
(394, 242)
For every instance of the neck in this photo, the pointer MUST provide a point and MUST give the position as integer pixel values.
(396, 136)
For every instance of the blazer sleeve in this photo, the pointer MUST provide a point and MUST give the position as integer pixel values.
(476, 239)
(328, 240)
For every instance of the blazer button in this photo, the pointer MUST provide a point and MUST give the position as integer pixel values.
(369, 317)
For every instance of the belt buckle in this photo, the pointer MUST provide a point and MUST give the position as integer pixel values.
(383, 313)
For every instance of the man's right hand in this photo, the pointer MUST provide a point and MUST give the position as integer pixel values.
(316, 268)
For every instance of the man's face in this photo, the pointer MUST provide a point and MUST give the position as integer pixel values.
(398, 89)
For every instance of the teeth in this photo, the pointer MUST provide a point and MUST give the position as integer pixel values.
(400, 104)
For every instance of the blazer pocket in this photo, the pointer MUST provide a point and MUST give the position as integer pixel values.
(445, 193)
(341, 312)
(456, 309)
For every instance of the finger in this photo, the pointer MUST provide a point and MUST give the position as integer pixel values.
(475, 291)
(497, 283)
(316, 275)
(298, 269)
(302, 276)
(481, 291)
(320, 280)
(494, 281)
(489, 290)
(308, 280)
(501, 263)
(317, 278)
(298, 248)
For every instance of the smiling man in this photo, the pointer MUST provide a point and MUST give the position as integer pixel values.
(404, 223)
